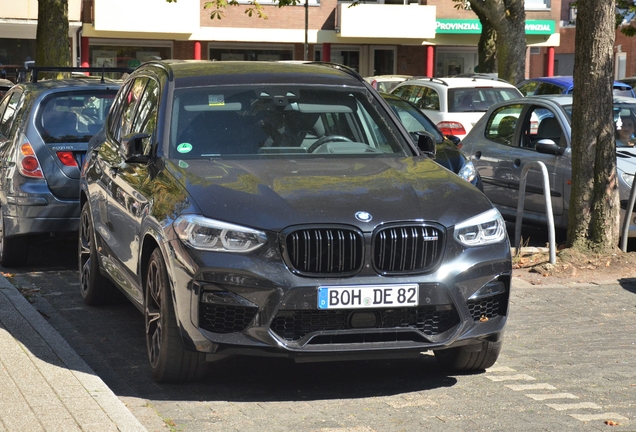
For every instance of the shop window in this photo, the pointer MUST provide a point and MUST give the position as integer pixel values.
(251, 54)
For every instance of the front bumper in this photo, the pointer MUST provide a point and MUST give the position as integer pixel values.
(236, 304)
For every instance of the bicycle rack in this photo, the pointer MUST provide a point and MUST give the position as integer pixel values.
(628, 216)
(548, 207)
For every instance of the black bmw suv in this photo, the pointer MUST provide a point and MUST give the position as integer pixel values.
(266, 208)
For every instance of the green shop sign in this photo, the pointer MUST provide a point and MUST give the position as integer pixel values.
(468, 26)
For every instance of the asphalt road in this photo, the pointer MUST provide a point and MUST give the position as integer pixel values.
(569, 363)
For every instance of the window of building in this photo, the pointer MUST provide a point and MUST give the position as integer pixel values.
(102, 53)
(537, 4)
(348, 56)
(242, 53)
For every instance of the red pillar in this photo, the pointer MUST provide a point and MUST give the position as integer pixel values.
(430, 60)
(550, 62)
(326, 52)
(197, 50)
(84, 56)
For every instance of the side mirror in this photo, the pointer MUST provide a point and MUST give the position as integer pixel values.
(426, 143)
(133, 148)
(455, 140)
(547, 146)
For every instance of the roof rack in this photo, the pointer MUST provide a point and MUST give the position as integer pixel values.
(34, 71)
(480, 75)
(424, 77)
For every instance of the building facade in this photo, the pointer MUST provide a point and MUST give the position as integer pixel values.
(410, 37)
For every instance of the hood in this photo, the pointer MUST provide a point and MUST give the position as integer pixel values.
(273, 194)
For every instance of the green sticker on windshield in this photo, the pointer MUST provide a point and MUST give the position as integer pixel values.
(183, 164)
(184, 148)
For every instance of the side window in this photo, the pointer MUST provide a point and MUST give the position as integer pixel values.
(130, 103)
(541, 124)
(547, 89)
(406, 92)
(430, 100)
(528, 88)
(502, 123)
(8, 114)
(115, 114)
(146, 119)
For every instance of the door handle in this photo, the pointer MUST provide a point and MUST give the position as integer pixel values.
(478, 155)
(517, 162)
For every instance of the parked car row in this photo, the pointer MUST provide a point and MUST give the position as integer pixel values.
(538, 128)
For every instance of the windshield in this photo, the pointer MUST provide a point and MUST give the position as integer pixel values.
(209, 122)
(478, 99)
(624, 116)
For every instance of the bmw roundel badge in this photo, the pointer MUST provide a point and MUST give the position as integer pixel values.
(363, 216)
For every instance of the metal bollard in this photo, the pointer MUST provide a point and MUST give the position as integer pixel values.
(548, 207)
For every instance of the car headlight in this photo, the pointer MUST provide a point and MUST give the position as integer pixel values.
(468, 172)
(628, 178)
(485, 228)
(212, 235)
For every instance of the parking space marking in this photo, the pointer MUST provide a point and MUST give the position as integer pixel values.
(542, 397)
(525, 387)
(581, 405)
(594, 417)
(610, 416)
(518, 377)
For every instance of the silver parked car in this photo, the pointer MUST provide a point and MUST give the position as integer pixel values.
(44, 131)
(538, 128)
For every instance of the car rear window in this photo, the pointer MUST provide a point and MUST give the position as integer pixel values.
(73, 116)
(209, 122)
(478, 99)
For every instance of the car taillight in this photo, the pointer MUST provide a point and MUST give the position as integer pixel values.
(67, 158)
(28, 163)
(451, 128)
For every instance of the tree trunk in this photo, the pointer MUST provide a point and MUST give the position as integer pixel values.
(594, 210)
(487, 47)
(52, 41)
(508, 18)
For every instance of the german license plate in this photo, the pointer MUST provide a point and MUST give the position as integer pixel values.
(368, 296)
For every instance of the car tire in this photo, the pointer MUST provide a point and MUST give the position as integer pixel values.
(96, 289)
(467, 358)
(14, 251)
(169, 360)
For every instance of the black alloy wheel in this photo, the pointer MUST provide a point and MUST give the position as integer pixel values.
(169, 360)
(96, 289)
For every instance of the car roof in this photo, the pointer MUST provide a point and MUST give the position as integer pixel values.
(188, 73)
(567, 99)
(564, 81)
(68, 84)
(455, 82)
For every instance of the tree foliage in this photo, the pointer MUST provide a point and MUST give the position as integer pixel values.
(253, 7)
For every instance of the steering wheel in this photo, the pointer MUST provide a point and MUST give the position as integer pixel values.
(324, 140)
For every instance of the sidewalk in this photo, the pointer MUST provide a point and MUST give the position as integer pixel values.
(44, 384)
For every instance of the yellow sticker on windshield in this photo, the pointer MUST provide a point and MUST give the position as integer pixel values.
(216, 100)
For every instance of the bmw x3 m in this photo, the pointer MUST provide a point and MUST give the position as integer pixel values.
(45, 127)
(280, 208)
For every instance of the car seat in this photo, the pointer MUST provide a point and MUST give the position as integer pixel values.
(549, 128)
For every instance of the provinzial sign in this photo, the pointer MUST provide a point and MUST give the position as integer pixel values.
(473, 26)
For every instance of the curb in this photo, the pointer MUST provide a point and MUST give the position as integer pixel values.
(40, 334)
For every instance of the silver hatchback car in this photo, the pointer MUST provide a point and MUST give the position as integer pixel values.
(538, 128)
(44, 131)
